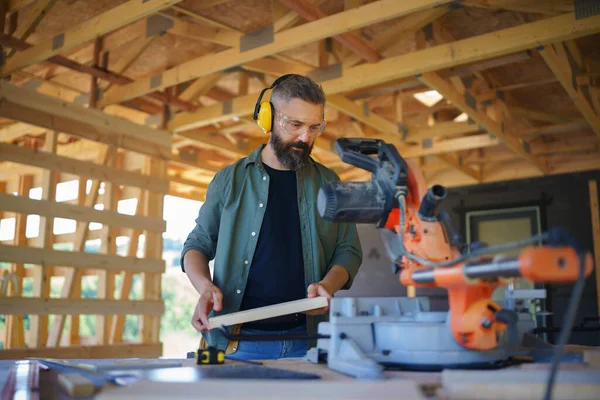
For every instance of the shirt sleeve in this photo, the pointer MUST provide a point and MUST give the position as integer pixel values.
(348, 251)
(204, 235)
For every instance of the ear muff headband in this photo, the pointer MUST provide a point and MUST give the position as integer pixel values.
(263, 110)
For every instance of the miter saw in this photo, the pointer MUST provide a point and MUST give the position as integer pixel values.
(365, 335)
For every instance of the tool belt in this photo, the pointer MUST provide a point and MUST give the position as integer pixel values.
(233, 344)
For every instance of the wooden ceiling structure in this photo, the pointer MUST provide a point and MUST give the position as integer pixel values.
(515, 84)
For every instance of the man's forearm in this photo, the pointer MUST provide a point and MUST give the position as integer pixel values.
(197, 270)
(335, 279)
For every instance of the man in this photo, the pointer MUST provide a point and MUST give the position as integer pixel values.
(261, 225)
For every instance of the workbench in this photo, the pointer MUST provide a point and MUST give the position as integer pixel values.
(574, 381)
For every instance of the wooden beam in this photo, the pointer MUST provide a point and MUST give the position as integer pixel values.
(203, 33)
(345, 21)
(16, 5)
(442, 56)
(109, 21)
(201, 86)
(37, 256)
(40, 9)
(290, 18)
(496, 128)
(543, 116)
(436, 147)
(30, 305)
(548, 7)
(50, 208)
(595, 214)
(399, 32)
(88, 169)
(36, 109)
(38, 329)
(125, 350)
(153, 250)
(562, 69)
(311, 13)
(457, 162)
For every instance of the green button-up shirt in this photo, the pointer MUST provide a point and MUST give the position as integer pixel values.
(229, 223)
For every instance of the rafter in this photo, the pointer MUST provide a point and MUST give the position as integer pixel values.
(442, 56)
(33, 108)
(109, 21)
(457, 163)
(310, 32)
(403, 30)
(312, 13)
(41, 8)
(496, 128)
(557, 59)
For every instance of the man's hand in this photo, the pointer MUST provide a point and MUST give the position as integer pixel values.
(316, 290)
(211, 298)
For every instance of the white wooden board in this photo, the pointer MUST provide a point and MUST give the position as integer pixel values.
(264, 389)
(275, 310)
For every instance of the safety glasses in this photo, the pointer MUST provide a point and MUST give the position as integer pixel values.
(294, 126)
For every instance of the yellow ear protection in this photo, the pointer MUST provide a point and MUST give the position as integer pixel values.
(264, 111)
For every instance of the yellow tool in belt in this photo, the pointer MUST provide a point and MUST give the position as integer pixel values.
(210, 355)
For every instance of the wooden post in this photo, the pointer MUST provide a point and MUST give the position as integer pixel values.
(153, 246)
(15, 334)
(94, 82)
(106, 279)
(38, 331)
(595, 212)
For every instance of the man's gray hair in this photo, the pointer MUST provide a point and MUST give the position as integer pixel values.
(298, 87)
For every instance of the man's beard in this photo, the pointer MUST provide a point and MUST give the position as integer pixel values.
(287, 155)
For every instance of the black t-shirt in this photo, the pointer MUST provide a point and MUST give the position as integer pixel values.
(277, 271)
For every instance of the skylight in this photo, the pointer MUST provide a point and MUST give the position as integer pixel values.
(429, 98)
(462, 118)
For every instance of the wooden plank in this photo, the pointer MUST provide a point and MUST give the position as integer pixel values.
(345, 21)
(108, 246)
(482, 47)
(32, 255)
(21, 204)
(153, 249)
(543, 116)
(349, 40)
(449, 145)
(16, 5)
(30, 305)
(435, 81)
(15, 330)
(75, 385)
(204, 33)
(88, 169)
(524, 384)
(399, 32)
(23, 105)
(151, 350)
(291, 18)
(40, 10)
(201, 86)
(118, 321)
(72, 284)
(595, 214)
(563, 71)
(246, 389)
(347, 106)
(38, 329)
(290, 307)
(458, 164)
(109, 21)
